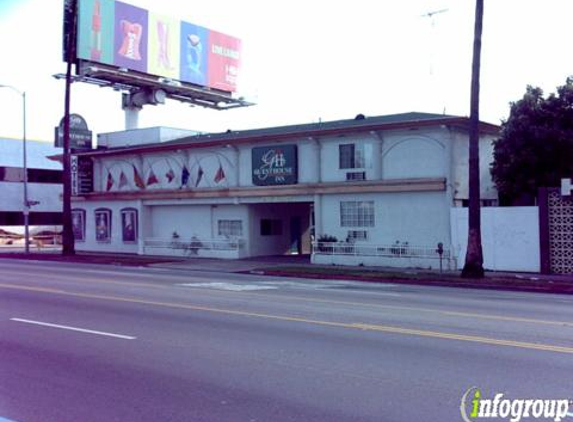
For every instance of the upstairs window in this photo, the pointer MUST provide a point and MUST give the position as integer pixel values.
(350, 156)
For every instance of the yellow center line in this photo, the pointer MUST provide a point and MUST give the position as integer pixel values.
(358, 326)
(325, 301)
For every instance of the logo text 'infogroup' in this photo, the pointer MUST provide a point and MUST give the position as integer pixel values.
(475, 407)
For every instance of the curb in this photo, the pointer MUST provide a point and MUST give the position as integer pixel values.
(549, 286)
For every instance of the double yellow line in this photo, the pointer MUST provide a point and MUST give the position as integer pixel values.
(354, 326)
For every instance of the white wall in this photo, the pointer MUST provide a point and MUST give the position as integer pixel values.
(186, 220)
(419, 218)
(413, 155)
(510, 237)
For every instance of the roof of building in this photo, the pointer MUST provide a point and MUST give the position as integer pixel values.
(359, 123)
(37, 153)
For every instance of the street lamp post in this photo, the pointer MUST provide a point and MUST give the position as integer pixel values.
(26, 209)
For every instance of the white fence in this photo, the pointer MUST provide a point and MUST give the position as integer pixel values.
(207, 248)
(400, 255)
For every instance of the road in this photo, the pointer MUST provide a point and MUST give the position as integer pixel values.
(81, 343)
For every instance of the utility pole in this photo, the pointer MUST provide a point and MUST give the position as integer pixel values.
(68, 246)
(473, 267)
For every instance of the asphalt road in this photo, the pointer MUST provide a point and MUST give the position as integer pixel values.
(82, 343)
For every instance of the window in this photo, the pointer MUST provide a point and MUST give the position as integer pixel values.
(230, 228)
(103, 225)
(271, 227)
(129, 225)
(79, 224)
(357, 214)
(355, 156)
(354, 235)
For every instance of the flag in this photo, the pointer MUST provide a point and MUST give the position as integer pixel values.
(152, 179)
(199, 176)
(137, 178)
(109, 184)
(122, 180)
(184, 176)
(220, 175)
(170, 175)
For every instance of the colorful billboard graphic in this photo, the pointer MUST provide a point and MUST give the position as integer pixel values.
(194, 53)
(126, 36)
(224, 61)
(163, 43)
(130, 46)
(95, 30)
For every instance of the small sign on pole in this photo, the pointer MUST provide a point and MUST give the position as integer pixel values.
(566, 187)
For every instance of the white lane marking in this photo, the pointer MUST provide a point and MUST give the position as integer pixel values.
(65, 327)
(229, 286)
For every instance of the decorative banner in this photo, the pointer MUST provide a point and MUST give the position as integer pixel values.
(275, 165)
(129, 225)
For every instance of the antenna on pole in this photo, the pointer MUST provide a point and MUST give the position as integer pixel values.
(431, 15)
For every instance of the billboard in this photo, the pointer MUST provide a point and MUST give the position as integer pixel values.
(275, 165)
(126, 36)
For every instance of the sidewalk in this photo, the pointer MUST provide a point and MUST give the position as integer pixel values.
(300, 267)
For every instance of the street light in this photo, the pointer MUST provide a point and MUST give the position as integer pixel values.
(25, 160)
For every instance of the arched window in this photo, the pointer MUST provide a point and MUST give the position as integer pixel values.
(79, 224)
(103, 225)
(129, 225)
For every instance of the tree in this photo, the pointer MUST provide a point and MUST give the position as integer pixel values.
(536, 145)
(473, 267)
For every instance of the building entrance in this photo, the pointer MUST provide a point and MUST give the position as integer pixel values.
(280, 229)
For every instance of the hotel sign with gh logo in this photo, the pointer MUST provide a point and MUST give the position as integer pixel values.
(275, 165)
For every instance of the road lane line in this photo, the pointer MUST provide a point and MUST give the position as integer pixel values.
(355, 326)
(66, 327)
(325, 301)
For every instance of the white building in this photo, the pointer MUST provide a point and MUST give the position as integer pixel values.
(44, 183)
(383, 186)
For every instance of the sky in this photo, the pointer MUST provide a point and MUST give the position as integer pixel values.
(307, 61)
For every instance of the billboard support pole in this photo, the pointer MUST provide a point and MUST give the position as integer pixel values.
(68, 247)
(131, 117)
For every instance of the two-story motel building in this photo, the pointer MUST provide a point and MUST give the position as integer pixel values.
(382, 186)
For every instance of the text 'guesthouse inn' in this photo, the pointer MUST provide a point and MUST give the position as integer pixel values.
(371, 190)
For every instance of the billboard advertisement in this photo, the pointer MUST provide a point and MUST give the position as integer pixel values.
(120, 34)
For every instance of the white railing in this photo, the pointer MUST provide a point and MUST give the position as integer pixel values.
(397, 250)
(194, 246)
